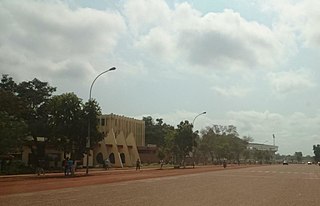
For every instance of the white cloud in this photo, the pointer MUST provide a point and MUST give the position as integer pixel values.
(214, 40)
(291, 81)
(142, 15)
(300, 16)
(174, 118)
(233, 91)
(227, 41)
(159, 43)
(294, 132)
(52, 40)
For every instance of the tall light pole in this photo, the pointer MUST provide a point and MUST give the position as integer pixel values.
(193, 138)
(89, 125)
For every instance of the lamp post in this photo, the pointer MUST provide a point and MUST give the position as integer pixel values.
(89, 125)
(192, 138)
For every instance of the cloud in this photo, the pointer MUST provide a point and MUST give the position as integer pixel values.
(233, 91)
(143, 15)
(159, 43)
(294, 132)
(301, 17)
(52, 40)
(218, 41)
(291, 81)
(174, 118)
(227, 41)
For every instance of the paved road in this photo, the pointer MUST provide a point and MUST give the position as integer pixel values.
(268, 185)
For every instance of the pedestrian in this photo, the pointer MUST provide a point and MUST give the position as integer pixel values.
(161, 164)
(40, 167)
(65, 166)
(69, 166)
(73, 168)
(107, 164)
(224, 163)
(138, 164)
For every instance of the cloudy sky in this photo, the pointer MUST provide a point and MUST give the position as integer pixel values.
(248, 63)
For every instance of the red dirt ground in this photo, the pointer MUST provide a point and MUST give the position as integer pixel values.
(32, 183)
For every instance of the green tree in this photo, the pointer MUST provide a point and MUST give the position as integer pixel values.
(35, 95)
(13, 129)
(160, 134)
(247, 139)
(155, 132)
(184, 140)
(169, 146)
(316, 151)
(68, 123)
(12, 133)
(298, 156)
(149, 130)
(222, 142)
(208, 143)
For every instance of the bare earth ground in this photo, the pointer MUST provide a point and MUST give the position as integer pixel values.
(32, 183)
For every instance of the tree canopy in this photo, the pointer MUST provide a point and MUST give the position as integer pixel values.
(28, 109)
(316, 151)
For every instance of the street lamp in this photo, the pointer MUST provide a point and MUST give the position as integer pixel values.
(192, 138)
(88, 140)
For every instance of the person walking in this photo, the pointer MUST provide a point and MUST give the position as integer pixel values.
(224, 163)
(161, 164)
(69, 166)
(138, 163)
(107, 164)
(40, 167)
(65, 166)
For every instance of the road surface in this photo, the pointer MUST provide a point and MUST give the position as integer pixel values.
(266, 185)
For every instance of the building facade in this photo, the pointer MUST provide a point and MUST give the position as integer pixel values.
(122, 137)
(123, 124)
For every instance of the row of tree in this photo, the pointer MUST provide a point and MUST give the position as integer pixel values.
(214, 143)
(29, 110)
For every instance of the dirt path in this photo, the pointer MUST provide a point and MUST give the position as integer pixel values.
(31, 183)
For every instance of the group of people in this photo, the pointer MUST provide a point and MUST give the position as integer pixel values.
(69, 167)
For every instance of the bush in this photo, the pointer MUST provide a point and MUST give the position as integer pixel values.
(15, 167)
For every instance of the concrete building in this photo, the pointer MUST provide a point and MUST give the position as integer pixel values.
(122, 137)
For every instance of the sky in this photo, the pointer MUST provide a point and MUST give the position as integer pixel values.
(251, 64)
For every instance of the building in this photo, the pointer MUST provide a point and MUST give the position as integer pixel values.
(262, 147)
(262, 153)
(122, 137)
(123, 124)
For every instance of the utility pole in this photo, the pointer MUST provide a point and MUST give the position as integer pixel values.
(274, 140)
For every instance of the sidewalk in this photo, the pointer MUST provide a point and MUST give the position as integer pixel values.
(79, 172)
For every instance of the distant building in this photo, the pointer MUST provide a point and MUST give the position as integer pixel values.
(148, 154)
(262, 147)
